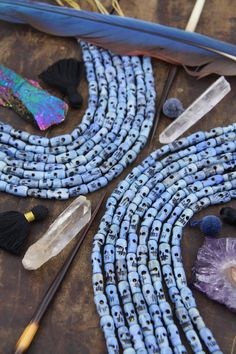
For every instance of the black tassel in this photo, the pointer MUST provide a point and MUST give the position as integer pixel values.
(228, 214)
(15, 227)
(65, 75)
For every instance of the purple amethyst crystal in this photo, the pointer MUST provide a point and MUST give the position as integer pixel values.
(214, 270)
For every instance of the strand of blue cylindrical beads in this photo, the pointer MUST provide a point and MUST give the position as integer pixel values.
(144, 214)
(114, 128)
(164, 248)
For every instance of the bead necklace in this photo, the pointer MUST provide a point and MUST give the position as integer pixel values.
(137, 245)
(114, 128)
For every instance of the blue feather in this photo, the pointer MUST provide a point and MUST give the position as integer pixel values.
(127, 36)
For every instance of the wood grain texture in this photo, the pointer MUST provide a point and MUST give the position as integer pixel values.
(71, 325)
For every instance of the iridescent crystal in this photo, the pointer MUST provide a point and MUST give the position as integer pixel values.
(59, 234)
(29, 100)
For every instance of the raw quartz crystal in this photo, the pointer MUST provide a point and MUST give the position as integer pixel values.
(198, 109)
(59, 234)
(215, 270)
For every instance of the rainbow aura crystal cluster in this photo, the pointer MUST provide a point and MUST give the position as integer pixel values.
(29, 100)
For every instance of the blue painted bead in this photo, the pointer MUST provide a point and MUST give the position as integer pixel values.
(10, 179)
(78, 190)
(3, 186)
(30, 183)
(55, 174)
(20, 191)
(33, 175)
(60, 193)
(194, 341)
(61, 140)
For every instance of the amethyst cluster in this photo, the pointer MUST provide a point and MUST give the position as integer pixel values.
(215, 270)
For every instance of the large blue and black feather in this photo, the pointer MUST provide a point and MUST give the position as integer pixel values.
(126, 35)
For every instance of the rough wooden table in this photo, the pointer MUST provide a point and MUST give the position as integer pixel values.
(71, 325)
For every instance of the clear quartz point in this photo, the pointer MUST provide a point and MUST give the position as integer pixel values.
(59, 234)
(200, 107)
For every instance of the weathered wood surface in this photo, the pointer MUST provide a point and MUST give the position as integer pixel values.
(71, 325)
